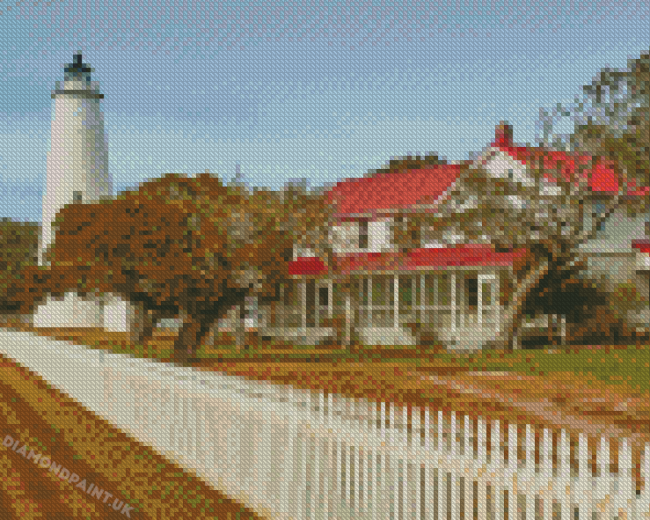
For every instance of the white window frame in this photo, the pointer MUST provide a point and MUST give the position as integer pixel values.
(494, 288)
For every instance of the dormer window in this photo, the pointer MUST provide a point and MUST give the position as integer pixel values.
(363, 235)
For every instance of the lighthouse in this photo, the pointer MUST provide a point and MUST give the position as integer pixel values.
(77, 163)
(77, 172)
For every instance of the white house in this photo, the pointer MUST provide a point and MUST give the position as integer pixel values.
(458, 286)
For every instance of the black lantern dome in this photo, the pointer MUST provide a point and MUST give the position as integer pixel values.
(77, 70)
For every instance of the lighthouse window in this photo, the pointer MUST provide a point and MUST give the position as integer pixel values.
(76, 196)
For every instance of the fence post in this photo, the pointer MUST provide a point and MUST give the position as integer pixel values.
(496, 463)
(529, 472)
(602, 465)
(512, 471)
(380, 473)
(443, 505)
(469, 456)
(428, 468)
(644, 498)
(454, 473)
(392, 466)
(584, 475)
(371, 479)
(564, 474)
(546, 464)
(416, 427)
(625, 496)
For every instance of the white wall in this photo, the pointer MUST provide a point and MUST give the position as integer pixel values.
(502, 166)
(379, 236)
(618, 233)
(345, 237)
(71, 312)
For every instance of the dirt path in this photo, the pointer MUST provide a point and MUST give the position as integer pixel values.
(36, 419)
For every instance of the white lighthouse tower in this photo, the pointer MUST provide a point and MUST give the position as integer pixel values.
(77, 172)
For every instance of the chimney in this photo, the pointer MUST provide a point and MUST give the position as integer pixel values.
(503, 135)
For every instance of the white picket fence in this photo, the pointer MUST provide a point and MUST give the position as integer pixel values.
(289, 453)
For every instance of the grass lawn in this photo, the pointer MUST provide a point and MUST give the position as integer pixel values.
(611, 365)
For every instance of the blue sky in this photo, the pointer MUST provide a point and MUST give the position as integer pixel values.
(325, 91)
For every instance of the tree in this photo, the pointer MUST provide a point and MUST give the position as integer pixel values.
(18, 250)
(612, 120)
(551, 221)
(404, 164)
(178, 244)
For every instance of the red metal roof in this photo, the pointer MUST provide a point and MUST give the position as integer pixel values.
(602, 177)
(403, 189)
(305, 265)
(463, 256)
(642, 245)
(393, 190)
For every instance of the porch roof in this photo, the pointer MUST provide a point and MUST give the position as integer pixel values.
(464, 256)
(642, 245)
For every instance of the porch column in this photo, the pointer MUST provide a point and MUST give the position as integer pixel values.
(461, 298)
(453, 303)
(436, 297)
(422, 311)
(396, 301)
(370, 316)
(348, 319)
(497, 299)
(304, 304)
(479, 305)
(330, 298)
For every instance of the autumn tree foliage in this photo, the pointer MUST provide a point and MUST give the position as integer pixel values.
(18, 250)
(176, 245)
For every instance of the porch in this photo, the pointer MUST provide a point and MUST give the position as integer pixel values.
(460, 306)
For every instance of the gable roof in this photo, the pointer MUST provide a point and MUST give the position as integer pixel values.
(603, 177)
(389, 191)
(392, 190)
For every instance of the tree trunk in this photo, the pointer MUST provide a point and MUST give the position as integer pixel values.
(189, 339)
(512, 317)
(240, 329)
(142, 326)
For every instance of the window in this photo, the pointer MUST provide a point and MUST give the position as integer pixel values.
(472, 292)
(76, 196)
(363, 235)
(599, 209)
(323, 296)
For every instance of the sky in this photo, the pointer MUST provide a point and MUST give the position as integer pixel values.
(317, 91)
